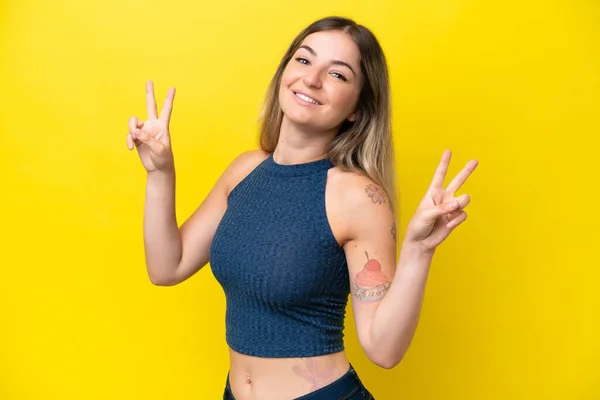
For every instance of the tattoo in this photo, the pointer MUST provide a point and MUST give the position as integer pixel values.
(317, 375)
(375, 193)
(371, 284)
(377, 196)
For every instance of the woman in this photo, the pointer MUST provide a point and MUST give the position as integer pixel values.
(291, 229)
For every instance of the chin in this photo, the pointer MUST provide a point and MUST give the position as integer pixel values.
(299, 115)
(296, 113)
(300, 120)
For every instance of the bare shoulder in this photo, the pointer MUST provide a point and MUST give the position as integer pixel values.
(242, 165)
(354, 190)
(359, 204)
(249, 159)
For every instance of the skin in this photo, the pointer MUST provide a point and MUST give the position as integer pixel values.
(316, 374)
(307, 129)
(386, 293)
(327, 69)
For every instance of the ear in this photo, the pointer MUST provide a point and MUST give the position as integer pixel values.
(353, 116)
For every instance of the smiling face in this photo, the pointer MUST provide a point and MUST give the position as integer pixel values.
(321, 83)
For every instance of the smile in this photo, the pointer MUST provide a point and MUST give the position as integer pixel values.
(306, 98)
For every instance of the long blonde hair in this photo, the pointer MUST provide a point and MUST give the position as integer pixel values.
(365, 145)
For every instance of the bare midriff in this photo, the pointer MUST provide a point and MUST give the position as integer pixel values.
(258, 378)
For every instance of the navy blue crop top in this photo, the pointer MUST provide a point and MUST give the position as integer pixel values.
(284, 275)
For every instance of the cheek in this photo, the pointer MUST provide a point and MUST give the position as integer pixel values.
(283, 89)
(346, 99)
(288, 77)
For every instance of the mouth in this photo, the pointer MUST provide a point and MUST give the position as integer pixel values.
(307, 98)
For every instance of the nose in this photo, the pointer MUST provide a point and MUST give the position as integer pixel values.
(312, 78)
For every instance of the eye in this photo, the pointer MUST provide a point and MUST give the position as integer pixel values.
(302, 60)
(339, 76)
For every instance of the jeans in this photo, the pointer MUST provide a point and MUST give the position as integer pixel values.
(347, 387)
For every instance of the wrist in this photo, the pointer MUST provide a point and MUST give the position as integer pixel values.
(161, 175)
(415, 251)
(160, 185)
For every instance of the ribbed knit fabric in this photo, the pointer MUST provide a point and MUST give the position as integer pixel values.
(284, 276)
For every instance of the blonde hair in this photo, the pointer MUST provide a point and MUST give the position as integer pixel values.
(365, 145)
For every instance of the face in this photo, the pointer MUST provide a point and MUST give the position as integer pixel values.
(321, 83)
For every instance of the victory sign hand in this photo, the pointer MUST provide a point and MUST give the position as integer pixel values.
(152, 138)
(440, 212)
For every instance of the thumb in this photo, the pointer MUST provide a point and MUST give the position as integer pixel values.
(433, 213)
(155, 146)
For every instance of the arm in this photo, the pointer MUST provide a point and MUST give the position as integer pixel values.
(386, 297)
(395, 321)
(174, 254)
(386, 318)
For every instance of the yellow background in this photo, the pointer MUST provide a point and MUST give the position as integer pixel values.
(512, 309)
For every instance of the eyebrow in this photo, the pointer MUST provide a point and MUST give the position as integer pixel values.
(334, 62)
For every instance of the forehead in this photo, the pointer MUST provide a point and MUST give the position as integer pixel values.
(335, 45)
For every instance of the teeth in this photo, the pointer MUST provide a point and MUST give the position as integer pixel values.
(306, 98)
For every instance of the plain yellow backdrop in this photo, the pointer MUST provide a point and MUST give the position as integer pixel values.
(512, 309)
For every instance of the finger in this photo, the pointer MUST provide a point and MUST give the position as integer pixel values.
(165, 113)
(155, 146)
(437, 195)
(131, 138)
(459, 219)
(463, 201)
(135, 123)
(136, 141)
(150, 101)
(130, 144)
(462, 176)
(433, 213)
(452, 215)
(442, 169)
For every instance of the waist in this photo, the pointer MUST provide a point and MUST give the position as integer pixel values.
(295, 331)
(278, 378)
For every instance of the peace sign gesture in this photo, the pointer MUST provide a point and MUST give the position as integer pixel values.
(152, 138)
(440, 212)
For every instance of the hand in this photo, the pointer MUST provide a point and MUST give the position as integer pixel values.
(440, 212)
(152, 138)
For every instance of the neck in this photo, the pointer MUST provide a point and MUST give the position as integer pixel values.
(297, 145)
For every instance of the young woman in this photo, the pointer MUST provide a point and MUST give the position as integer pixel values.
(292, 229)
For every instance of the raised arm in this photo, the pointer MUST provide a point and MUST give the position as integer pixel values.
(371, 255)
(175, 253)
(387, 295)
